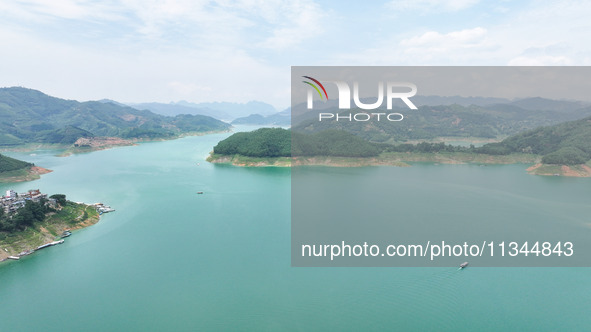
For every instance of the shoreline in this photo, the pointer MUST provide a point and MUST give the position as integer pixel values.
(30, 173)
(398, 159)
(402, 159)
(245, 161)
(579, 171)
(100, 143)
(26, 242)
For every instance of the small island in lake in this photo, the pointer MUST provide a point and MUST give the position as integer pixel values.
(32, 221)
(559, 150)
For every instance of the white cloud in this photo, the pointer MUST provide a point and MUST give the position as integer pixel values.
(430, 5)
(276, 24)
(237, 50)
(429, 48)
(454, 39)
(302, 20)
(160, 50)
(550, 33)
(433, 47)
(64, 9)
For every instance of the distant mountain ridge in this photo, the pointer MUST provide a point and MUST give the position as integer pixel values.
(282, 118)
(225, 111)
(455, 120)
(28, 115)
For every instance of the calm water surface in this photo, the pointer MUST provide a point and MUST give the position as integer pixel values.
(171, 260)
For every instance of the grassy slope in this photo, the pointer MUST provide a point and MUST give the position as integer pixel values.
(72, 216)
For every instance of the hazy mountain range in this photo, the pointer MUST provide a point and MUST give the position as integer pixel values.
(455, 117)
(282, 118)
(28, 115)
(224, 111)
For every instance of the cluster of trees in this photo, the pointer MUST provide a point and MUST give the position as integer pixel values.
(333, 143)
(564, 144)
(568, 143)
(263, 142)
(60, 199)
(28, 215)
(31, 213)
(66, 135)
(278, 142)
(427, 148)
(566, 156)
(8, 164)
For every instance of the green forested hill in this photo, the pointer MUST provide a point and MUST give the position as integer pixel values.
(278, 142)
(566, 143)
(428, 122)
(28, 115)
(263, 142)
(8, 164)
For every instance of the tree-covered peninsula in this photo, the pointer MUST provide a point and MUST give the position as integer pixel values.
(31, 221)
(14, 170)
(275, 146)
(562, 149)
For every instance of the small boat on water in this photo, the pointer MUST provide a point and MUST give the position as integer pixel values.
(50, 244)
(200, 193)
(102, 208)
(66, 234)
(463, 265)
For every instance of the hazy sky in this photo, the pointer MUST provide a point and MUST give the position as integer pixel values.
(170, 50)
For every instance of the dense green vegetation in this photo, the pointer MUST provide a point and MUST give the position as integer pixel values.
(567, 143)
(31, 213)
(59, 198)
(566, 156)
(333, 143)
(429, 122)
(34, 213)
(263, 142)
(277, 142)
(8, 164)
(36, 224)
(31, 116)
(67, 135)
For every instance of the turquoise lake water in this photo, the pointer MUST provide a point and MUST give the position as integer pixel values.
(171, 260)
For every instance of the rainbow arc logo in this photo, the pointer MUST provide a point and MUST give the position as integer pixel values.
(386, 90)
(316, 86)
